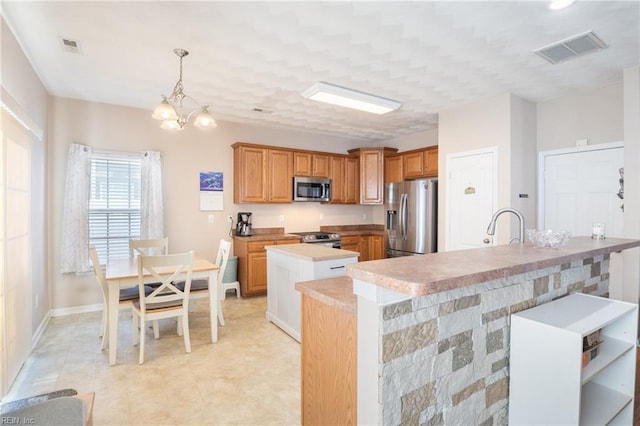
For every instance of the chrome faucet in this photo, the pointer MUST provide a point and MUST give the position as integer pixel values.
(491, 229)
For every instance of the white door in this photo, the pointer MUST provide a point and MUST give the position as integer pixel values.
(580, 187)
(15, 237)
(471, 197)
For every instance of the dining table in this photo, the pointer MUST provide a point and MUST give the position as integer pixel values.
(121, 273)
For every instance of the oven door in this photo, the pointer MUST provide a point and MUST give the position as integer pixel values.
(331, 244)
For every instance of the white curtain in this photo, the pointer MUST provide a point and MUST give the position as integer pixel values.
(152, 221)
(75, 221)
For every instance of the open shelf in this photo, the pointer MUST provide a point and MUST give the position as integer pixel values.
(600, 404)
(611, 350)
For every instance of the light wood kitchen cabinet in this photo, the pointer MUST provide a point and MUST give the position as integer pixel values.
(311, 164)
(252, 264)
(376, 247)
(412, 164)
(329, 353)
(393, 169)
(262, 174)
(430, 158)
(372, 173)
(344, 179)
(350, 242)
(420, 163)
(370, 247)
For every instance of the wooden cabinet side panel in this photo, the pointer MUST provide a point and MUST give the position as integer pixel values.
(280, 176)
(329, 365)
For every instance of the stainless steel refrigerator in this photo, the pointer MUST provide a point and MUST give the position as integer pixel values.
(411, 209)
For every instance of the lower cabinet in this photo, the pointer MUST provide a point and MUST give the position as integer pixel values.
(553, 381)
(370, 247)
(252, 264)
(329, 364)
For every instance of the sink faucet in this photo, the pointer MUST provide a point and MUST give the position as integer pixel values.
(491, 229)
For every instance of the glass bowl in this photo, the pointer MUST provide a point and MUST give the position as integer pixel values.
(548, 238)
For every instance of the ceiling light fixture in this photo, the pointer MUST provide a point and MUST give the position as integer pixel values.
(341, 96)
(560, 4)
(172, 112)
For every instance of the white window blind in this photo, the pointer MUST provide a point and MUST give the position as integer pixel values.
(114, 204)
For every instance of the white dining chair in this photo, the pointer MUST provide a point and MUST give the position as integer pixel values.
(201, 288)
(127, 295)
(148, 247)
(166, 300)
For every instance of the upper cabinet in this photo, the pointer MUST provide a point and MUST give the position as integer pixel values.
(393, 169)
(311, 164)
(262, 174)
(345, 179)
(412, 164)
(372, 173)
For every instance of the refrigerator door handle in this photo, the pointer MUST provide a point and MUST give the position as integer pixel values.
(403, 216)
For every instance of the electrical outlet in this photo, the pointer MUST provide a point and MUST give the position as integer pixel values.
(281, 218)
(229, 219)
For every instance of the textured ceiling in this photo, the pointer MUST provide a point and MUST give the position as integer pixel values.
(431, 56)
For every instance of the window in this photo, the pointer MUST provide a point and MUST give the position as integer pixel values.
(114, 204)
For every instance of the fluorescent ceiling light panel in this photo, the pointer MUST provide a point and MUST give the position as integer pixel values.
(341, 96)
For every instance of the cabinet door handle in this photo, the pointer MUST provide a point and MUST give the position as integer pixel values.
(337, 267)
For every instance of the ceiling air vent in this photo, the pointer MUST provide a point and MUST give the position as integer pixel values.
(69, 45)
(571, 47)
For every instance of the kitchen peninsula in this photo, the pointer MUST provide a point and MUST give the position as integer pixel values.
(433, 330)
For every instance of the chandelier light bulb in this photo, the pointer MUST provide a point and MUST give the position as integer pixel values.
(172, 112)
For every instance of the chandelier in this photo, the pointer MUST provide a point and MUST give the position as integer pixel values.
(171, 111)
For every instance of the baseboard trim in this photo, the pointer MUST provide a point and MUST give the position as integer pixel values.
(75, 310)
(35, 338)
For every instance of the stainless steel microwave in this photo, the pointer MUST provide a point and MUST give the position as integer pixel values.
(311, 189)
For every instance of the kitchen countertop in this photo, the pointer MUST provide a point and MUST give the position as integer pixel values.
(348, 230)
(438, 272)
(313, 252)
(336, 292)
(268, 234)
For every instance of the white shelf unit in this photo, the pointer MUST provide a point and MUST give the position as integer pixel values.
(548, 384)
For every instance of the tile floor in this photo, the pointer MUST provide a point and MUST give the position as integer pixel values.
(251, 376)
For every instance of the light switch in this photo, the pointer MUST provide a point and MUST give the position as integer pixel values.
(212, 218)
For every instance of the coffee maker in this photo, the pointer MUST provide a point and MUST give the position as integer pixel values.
(243, 226)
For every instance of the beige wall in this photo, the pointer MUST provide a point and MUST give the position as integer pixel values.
(480, 125)
(523, 161)
(184, 155)
(595, 115)
(23, 92)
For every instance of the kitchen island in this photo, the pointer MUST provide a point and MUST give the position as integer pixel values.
(433, 330)
(292, 263)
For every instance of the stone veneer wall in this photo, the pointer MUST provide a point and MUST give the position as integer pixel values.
(445, 357)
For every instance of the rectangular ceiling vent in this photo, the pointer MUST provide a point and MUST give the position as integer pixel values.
(69, 45)
(571, 47)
